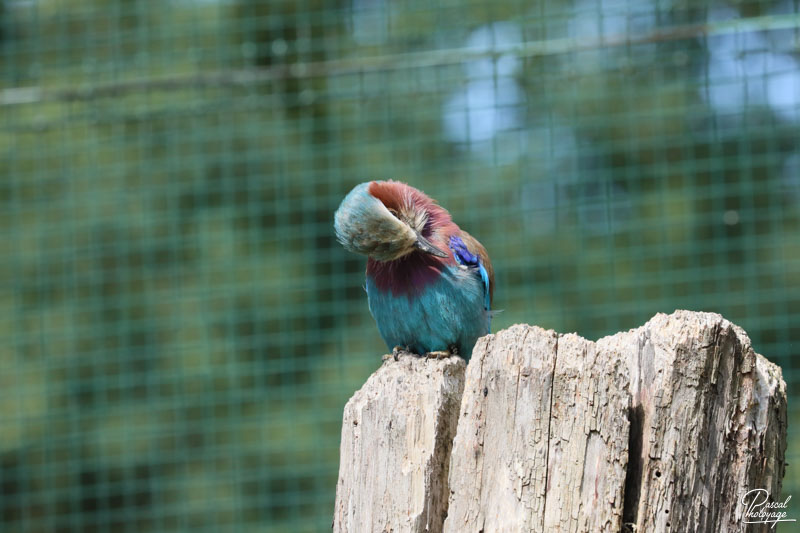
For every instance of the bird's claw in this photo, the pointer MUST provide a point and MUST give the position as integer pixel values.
(443, 354)
(396, 351)
(436, 354)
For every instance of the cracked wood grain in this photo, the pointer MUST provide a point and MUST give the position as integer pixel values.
(499, 464)
(660, 428)
(395, 450)
(710, 421)
(549, 440)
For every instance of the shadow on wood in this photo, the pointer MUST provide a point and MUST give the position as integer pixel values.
(661, 428)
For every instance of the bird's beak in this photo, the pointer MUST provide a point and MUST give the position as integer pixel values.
(425, 245)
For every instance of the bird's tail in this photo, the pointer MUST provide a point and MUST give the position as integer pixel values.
(492, 314)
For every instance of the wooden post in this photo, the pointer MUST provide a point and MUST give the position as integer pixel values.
(708, 423)
(661, 428)
(542, 439)
(397, 434)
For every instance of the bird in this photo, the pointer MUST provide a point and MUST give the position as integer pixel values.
(429, 284)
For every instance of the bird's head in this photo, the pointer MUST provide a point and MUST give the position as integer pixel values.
(387, 220)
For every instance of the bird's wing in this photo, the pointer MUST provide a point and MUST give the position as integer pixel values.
(478, 255)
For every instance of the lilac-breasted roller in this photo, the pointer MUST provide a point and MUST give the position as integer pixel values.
(429, 283)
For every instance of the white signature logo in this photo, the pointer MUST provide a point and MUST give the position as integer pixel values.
(759, 510)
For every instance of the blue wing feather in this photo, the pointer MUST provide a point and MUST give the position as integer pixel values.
(464, 257)
(485, 278)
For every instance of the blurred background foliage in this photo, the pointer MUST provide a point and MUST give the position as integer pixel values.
(180, 329)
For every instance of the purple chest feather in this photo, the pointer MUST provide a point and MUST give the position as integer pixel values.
(408, 275)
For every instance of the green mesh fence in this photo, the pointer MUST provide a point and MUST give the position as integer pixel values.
(180, 331)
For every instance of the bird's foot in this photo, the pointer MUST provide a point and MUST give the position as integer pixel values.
(443, 354)
(396, 351)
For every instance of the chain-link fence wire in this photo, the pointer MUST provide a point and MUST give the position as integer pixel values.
(180, 329)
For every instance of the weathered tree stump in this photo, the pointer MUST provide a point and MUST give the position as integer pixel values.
(661, 428)
(708, 422)
(542, 438)
(397, 434)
